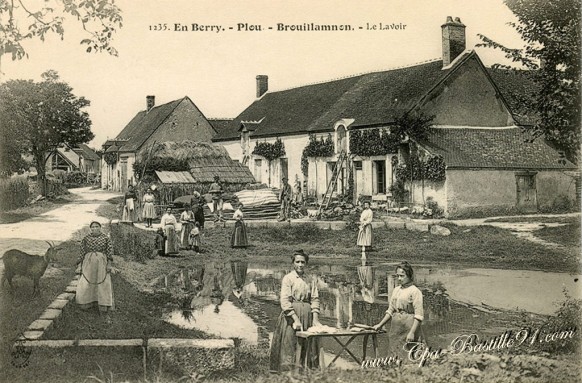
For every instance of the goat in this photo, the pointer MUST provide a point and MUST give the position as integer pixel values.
(17, 262)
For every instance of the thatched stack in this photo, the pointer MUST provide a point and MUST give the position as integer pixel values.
(206, 160)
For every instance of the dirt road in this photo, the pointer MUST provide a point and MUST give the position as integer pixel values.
(57, 225)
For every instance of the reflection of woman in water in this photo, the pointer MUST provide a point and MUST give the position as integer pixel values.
(300, 311)
(216, 296)
(366, 276)
(239, 273)
(405, 313)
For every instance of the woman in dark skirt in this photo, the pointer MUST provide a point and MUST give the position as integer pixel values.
(239, 234)
(300, 311)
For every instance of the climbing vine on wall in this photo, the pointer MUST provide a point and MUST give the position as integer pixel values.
(373, 142)
(110, 158)
(316, 148)
(269, 150)
(415, 169)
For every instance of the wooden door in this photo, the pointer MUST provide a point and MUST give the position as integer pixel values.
(123, 174)
(526, 192)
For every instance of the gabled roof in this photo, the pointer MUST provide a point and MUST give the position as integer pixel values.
(144, 124)
(516, 85)
(373, 98)
(220, 124)
(509, 148)
(69, 156)
(369, 98)
(87, 152)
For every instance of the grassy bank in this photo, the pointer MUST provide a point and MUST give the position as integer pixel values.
(568, 235)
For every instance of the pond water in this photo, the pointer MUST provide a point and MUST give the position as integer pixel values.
(240, 299)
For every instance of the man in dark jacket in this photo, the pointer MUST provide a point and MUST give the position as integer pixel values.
(285, 197)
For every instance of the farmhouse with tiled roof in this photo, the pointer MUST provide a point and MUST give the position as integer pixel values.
(80, 158)
(178, 120)
(485, 157)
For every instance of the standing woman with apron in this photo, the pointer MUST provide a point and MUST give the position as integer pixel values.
(405, 314)
(95, 265)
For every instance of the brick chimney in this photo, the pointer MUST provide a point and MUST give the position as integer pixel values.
(262, 85)
(150, 102)
(453, 39)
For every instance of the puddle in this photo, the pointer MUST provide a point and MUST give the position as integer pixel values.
(238, 299)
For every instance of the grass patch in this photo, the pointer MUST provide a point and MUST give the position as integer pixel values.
(479, 246)
(568, 235)
(540, 219)
(136, 315)
(111, 209)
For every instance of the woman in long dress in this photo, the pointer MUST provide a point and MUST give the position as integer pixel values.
(187, 221)
(405, 314)
(95, 265)
(168, 224)
(129, 208)
(300, 310)
(365, 233)
(149, 210)
(195, 240)
(239, 234)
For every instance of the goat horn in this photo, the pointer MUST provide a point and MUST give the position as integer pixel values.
(50, 244)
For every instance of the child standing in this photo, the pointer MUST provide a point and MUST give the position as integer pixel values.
(195, 237)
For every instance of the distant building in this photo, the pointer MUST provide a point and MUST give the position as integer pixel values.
(177, 120)
(81, 158)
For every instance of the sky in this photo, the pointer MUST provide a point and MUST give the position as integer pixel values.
(218, 70)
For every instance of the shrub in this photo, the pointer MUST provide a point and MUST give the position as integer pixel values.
(432, 209)
(132, 243)
(560, 204)
(567, 318)
(13, 192)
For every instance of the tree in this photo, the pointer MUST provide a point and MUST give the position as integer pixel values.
(21, 20)
(551, 57)
(44, 116)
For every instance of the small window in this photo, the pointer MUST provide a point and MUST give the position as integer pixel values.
(358, 165)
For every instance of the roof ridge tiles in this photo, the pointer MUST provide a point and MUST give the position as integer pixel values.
(358, 74)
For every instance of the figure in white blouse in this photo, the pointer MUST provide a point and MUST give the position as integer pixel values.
(168, 224)
(300, 310)
(365, 233)
(405, 314)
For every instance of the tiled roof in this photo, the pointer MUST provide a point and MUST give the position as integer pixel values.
(143, 125)
(88, 153)
(204, 170)
(372, 98)
(492, 148)
(515, 86)
(369, 98)
(219, 124)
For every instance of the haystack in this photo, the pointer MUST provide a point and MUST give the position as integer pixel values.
(205, 161)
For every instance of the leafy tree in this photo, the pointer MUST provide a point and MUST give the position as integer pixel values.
(26, 19)
(551, 57)
(44, 116)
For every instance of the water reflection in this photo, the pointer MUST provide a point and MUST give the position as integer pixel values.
(238, 299)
